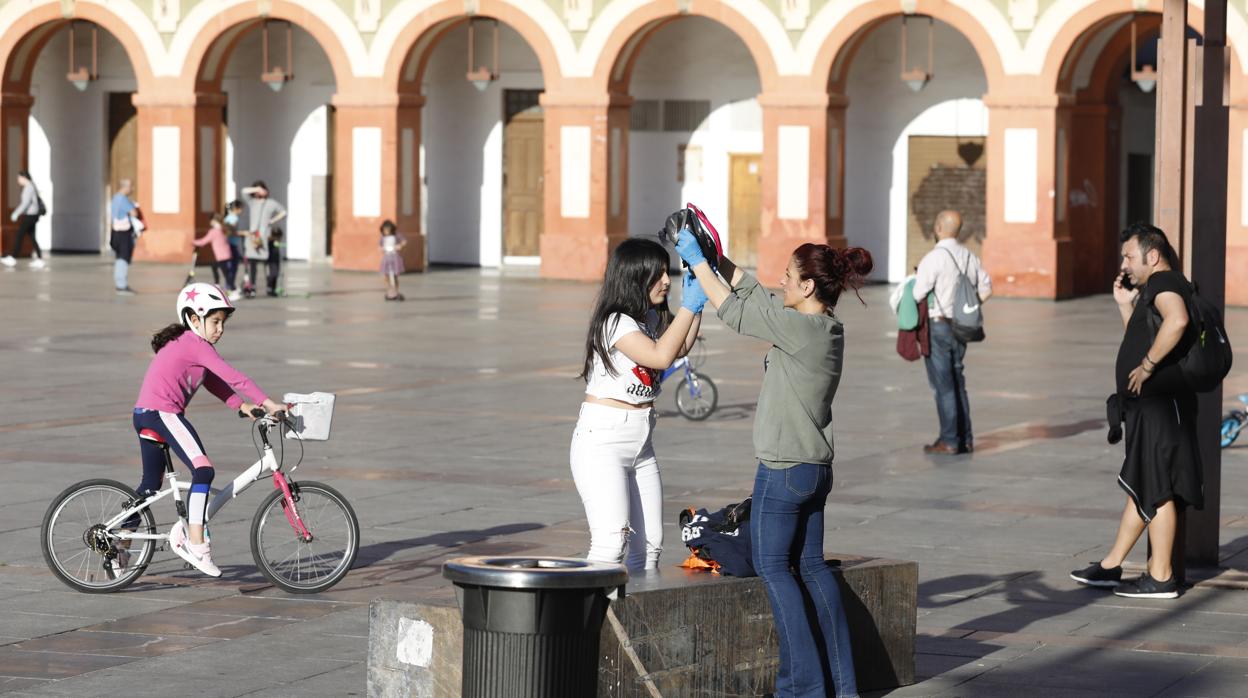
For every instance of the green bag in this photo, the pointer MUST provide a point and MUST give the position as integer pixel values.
(907, 309)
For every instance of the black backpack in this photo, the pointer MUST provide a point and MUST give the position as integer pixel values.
(43, 210)
(1208, 361)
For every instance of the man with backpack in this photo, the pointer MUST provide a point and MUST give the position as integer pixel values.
(957, 284)
(1174, 345)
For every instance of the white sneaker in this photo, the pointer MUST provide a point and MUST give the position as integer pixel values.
(234, 295)
(200, 557)
(177, 534)
(8, 261)
(37, 263)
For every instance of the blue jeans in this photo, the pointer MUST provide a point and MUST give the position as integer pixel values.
(121, 269)
(786, 521)
(944, 374)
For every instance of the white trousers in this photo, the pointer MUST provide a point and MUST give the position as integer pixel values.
(618, 479)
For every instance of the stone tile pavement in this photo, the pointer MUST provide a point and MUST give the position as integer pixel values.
(454, 415)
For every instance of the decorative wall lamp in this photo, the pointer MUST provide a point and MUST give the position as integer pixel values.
(915, 78)
(1146, 76)
(80, 76)
(277, 77)
(481, 77)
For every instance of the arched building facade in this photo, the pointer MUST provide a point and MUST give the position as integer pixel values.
(787, 120)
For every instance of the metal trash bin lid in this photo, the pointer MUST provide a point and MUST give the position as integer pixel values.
(529, 572)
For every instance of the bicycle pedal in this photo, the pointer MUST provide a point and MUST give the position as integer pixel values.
(187, 566)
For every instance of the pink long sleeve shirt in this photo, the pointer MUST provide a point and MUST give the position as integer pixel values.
(186, 363)
(216, 238)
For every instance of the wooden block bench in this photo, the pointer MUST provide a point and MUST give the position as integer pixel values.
(675, 634)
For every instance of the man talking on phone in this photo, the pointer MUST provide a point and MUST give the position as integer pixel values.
(1161, 470)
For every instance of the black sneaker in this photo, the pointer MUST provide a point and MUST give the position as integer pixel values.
(1148, 588)
(1096, 576)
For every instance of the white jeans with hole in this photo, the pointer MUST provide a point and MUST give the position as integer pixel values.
(618, 479)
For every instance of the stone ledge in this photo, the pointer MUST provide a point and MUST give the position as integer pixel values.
(676, 633)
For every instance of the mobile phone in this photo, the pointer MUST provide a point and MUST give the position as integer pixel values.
(1126, 282)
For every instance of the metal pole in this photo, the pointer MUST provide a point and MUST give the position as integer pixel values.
(1208, 262)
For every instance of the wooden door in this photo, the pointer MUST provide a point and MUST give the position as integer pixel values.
(745, 208)
(123, 153)
(522, 173)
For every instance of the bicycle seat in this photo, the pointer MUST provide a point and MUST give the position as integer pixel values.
(153, 436)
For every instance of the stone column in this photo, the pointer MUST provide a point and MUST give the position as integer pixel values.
(585, 214)
(167, 187)
(1237, 192)
(837, 108)
(14, 144)
(795, 176)
(376, 176)
(1025, 251)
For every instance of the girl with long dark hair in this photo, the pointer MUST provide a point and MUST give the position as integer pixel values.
(632, 337)
(793, 444)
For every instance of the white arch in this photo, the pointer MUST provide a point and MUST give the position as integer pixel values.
(984, 12)
(384, 42)
(204, 13)
(758, 14)
(126, 10)
(1057, 15)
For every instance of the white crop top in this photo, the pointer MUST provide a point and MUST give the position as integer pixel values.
(632, 383)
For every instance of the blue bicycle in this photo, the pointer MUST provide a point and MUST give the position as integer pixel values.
(1234, 422)
(696, 395)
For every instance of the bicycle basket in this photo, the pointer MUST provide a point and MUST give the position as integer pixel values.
(311, 415)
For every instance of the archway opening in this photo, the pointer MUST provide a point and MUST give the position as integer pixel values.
(82, 136)
(482, 149)
(911, 148)
(276, 131)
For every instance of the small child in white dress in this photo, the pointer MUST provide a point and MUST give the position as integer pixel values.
(392, 241)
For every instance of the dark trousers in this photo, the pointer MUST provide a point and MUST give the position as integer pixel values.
(786, 520)
(272, 268)
(945, 375)
(25, 226)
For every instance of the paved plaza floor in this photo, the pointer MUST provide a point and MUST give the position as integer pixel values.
(455, 410)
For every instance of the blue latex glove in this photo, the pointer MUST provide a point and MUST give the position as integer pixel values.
(691, 295)
(688, 248)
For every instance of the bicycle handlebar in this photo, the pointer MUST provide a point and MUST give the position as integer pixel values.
(259, 413)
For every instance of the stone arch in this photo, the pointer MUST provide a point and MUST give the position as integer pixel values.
(24, 39)
(414, 44)
(837, 50)
(613, 67)
(210, 50)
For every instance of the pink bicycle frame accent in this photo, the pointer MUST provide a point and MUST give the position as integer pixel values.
(279, 482)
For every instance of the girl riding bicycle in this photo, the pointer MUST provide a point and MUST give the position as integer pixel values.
(632, 337)
(184, 361)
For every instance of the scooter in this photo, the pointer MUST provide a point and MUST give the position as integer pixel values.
(1234, 422)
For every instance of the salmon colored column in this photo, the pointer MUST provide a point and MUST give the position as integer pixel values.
(1025, 251)
(1237, 196)
(14, 144)
(795, 176)
(168, 175)
(376, 177)
(585, 214)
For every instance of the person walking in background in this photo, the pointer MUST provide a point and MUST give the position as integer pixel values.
(392, 242)
(794, 447)
(121, 214)
(26, 215)
(1162, 465)
(938, 274)
(220, 251)
(263, 237)
(233, 216)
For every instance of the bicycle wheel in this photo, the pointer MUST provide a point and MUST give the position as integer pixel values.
(1230, 430)
(696, 397)
(296, 565)
(76, 543)
(697, 355)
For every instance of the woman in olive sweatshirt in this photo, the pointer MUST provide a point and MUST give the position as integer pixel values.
(794, 447)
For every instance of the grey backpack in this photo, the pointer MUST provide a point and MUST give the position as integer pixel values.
(967, 316)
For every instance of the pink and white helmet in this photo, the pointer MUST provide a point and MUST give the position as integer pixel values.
(201, 299)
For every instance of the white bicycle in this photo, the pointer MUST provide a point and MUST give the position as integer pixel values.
(304, 536)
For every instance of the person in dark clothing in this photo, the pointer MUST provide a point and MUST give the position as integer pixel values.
(1162, 468)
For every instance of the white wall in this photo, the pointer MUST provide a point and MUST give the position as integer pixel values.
(884, 113)
(280, 137)
(693, 58)
(462, 145)
(68, 155)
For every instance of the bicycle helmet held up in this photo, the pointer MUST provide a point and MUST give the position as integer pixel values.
(201, 299)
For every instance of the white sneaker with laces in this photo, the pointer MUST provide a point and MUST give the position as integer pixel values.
(200, 557)
(8, 261)
(177, 534)
(37, 264)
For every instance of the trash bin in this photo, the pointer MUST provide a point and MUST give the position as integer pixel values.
(531, 625)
